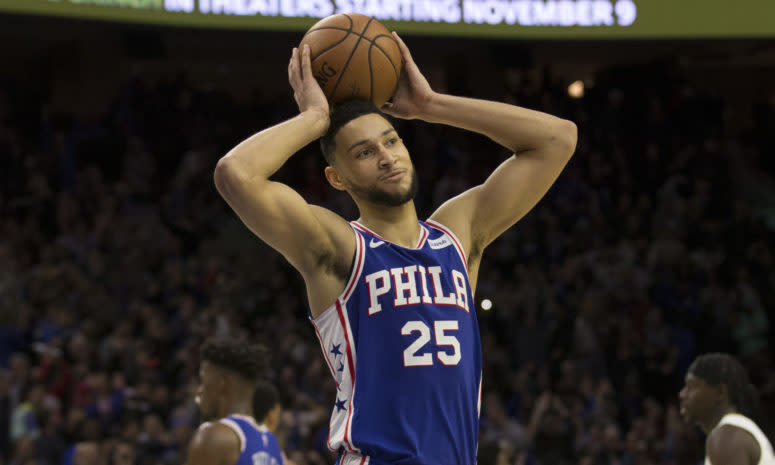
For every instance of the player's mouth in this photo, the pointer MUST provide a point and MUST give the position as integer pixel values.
(394, 176)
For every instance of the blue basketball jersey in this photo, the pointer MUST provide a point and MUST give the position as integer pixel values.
(402, 343)
(258, 446)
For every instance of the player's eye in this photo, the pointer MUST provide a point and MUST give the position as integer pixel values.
(390, 142)
(364, 153)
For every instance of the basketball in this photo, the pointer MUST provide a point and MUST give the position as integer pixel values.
(353, 57)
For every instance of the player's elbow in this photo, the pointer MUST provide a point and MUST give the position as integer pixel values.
(226, 177)
(566, 136)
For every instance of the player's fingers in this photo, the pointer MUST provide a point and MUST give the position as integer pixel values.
(306, 63)
(293, 69)
(387, 108)
(405, 54)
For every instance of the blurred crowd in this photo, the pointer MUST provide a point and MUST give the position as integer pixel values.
(118, 258)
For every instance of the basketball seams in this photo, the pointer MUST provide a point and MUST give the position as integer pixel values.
(347, 63)
(371, 72)
(352, 64)
(377, 46)
(330, 47)
(371, 66)
(348, 31)
(361, 35)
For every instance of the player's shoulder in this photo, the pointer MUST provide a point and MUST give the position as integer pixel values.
(730, 439)
(215, 434)
(213, 444)
(323, 212)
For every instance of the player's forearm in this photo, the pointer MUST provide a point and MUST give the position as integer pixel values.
(260, 156)
(516, 128)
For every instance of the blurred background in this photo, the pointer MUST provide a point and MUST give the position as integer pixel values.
(118, 257)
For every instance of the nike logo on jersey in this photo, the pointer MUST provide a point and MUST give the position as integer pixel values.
(410, 287)
(374, 244)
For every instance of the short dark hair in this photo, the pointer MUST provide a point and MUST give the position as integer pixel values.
(250, 361)
(265, 398)
(340, 115)
(717, 369)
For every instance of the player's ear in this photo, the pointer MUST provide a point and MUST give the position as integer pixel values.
(222, 381)
(723, 391)
(333, 177)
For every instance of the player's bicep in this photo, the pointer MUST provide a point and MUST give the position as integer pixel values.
(511, 191)
(279, 216)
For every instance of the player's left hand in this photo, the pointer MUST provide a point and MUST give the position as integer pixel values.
(306, 90)
(413, 93)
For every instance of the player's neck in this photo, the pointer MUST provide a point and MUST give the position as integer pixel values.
(396, 224)
(715, 418)
(239, 407)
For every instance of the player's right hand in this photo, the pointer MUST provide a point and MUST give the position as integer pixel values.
(413, 93)
(306, 90)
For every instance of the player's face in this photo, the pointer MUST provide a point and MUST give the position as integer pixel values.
(206, 393)
(697, 398)
(373, 162)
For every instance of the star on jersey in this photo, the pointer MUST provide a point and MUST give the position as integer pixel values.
(340, 405)
(337, 360)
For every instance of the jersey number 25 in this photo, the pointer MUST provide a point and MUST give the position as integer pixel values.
(411, 359)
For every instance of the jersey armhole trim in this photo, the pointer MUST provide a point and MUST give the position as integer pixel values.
(455, 241)
(423, 235)
(359, 260)
(237, 430)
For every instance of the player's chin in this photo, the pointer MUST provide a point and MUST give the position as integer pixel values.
(686, 415)
(402, 194)
(394, 188)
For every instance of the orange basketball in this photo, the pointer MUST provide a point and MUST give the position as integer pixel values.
(353, 57)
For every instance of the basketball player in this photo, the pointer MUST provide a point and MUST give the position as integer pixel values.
(391, 297)
(266, 405)
(718, 397)
(230, 436)
(267, 409)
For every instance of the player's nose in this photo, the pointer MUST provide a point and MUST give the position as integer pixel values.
(386, 157)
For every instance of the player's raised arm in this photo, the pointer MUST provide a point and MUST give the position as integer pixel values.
(542, 145)
(277, 214)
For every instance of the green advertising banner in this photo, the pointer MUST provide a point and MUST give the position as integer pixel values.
(540, 19)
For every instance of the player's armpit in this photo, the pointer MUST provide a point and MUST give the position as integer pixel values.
(730, 445)
(213, 444)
